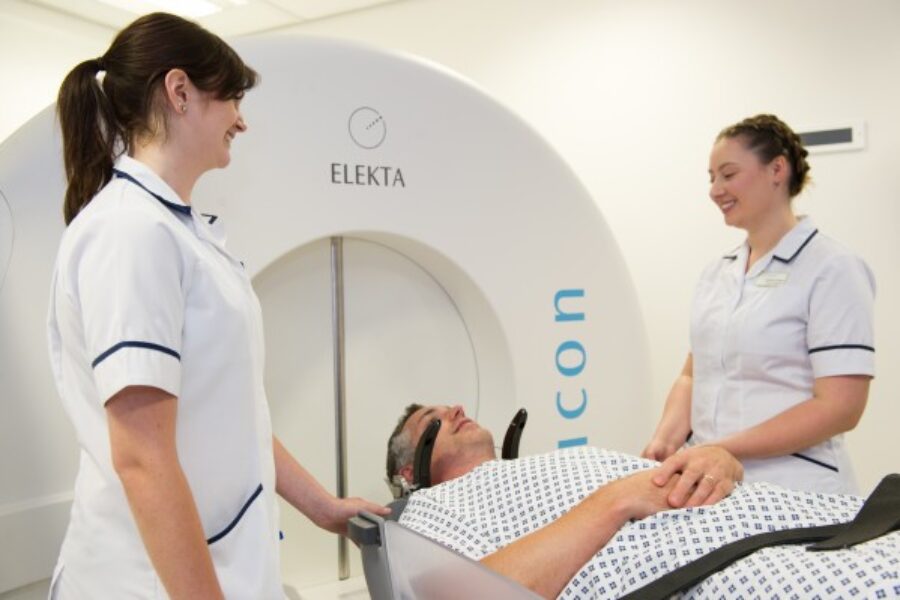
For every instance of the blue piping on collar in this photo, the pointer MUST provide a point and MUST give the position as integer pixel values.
(733, 254)
(799, 250)
(185, 210)
(778, 258)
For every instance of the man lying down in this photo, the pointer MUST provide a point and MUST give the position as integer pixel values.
(590, 523)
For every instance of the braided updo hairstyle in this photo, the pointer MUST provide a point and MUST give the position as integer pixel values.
(769, 137)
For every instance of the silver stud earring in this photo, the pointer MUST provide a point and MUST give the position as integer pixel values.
(184, 108)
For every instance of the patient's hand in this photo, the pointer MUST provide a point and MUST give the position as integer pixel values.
(708, 474)
(637, 495)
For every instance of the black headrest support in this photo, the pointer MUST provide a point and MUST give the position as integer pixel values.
(513, 435)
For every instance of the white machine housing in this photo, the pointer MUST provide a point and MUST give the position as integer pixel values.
(478, 271)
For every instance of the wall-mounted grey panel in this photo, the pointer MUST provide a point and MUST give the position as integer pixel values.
(841, 137)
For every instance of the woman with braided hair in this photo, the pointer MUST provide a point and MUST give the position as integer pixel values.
(782, 347)
(156, 337)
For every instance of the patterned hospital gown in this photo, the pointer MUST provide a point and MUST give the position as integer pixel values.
(500, 501)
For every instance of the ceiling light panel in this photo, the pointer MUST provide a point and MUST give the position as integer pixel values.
(89, 10)
(248, 18)
(191, 9)
(316, 9)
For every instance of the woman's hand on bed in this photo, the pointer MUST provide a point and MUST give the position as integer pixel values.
(344, 509)
(708, 474)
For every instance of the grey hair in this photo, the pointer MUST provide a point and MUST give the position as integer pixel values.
(401, 450)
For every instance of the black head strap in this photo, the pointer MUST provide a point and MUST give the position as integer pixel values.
(422, 459)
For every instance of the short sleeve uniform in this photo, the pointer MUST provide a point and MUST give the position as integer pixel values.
(145, 293)
(760, 339)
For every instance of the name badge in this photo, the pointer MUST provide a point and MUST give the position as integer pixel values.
(771, 279)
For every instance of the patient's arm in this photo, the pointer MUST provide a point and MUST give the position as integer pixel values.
(707, 474)
(545, 560)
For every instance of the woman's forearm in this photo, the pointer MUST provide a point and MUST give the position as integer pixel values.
(141, 424)
(675, 423)
(297, 485)
(836, 406)
(166, 516)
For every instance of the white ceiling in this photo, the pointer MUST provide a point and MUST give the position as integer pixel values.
(237, 17)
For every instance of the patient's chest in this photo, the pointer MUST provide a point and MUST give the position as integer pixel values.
(503, 500)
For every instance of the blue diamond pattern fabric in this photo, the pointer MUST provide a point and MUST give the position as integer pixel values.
(500, 501)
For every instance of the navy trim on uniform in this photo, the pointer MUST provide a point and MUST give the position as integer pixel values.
(842, 347)
(816, 462)
(733, 254)
(235, 521)
(799, 250)
(210, 218)
(185, 210)
(133, 344)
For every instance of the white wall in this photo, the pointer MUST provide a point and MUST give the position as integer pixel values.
(631, 93)
(37, 48)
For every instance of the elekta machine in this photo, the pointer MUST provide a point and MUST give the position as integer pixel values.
(410, 241)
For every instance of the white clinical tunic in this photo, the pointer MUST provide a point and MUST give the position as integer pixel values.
(144, 293)
(760, 339)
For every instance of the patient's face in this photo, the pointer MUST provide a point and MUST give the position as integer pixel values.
(459, 439)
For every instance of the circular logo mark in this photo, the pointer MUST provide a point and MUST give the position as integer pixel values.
(367, 127)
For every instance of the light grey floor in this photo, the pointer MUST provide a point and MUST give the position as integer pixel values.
(34, 591)
(353, 589)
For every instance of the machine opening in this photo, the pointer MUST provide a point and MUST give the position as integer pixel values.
(405, 341)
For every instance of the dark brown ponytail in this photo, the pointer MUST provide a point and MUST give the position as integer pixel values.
(101, 117)
(89, 133)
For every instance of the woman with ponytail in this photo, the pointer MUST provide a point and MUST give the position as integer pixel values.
(782, 348)
(155, 336)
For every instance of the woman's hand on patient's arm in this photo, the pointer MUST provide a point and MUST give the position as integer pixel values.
(675, 424)
(296, 485)
(707, 474)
